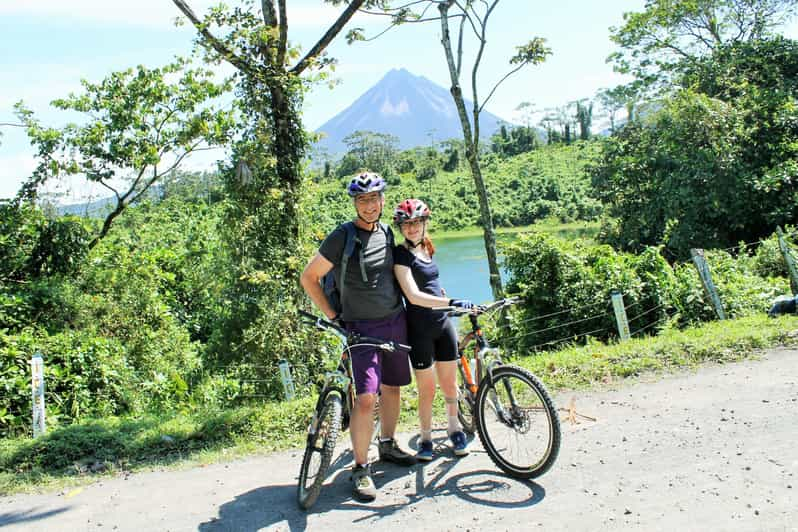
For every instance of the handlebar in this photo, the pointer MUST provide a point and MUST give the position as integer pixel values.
(352, 338)
(480, 309)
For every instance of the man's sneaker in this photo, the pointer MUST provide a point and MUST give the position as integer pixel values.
(425, 452)
(363, 486)
(459, 443)
(390, 452)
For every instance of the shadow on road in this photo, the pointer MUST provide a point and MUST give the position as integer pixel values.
(11, 518)
(400, 488)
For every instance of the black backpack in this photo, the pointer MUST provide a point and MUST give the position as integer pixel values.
(335, 293)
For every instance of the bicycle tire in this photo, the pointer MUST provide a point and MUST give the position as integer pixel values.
(465, 403)
(501, 425)
(320, 446)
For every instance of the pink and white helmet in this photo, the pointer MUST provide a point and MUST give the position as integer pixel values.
(410, 209)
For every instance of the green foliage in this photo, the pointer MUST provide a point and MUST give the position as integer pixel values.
(135, 121)
(368, 150)
(517, 140)
(566, 288)
(710, 168)
(119, 443)
(33, 246)
(668, 33)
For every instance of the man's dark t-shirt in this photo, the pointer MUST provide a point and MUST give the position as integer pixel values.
(377, 299)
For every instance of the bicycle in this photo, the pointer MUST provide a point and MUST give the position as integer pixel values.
(504, 403)
(333, 409)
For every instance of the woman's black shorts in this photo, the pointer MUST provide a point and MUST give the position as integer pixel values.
(432, 343)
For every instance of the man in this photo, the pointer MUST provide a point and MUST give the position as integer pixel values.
(372, 306)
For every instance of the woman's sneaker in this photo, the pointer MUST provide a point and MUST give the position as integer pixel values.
(362, 485)
(424, 453)
(459, 443)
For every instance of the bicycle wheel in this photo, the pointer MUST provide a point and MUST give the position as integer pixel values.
(517, 422)
(319, 451)
(465, 402)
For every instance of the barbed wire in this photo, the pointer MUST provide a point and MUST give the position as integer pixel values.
(666, 318)
(630, 320)
(564, 339)
(761, 241)
(565, 311)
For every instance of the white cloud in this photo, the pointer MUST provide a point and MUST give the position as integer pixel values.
(148, 13)
(14, 169)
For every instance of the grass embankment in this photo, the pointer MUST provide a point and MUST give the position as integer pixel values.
(72, 455)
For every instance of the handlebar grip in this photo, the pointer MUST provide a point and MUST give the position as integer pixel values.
(307, 314)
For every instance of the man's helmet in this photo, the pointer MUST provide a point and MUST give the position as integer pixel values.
(364, 183)
(410, 209)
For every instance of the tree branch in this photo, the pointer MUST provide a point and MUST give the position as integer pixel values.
(327, 38)
(282, 43)
(510, 73)
(215, 43)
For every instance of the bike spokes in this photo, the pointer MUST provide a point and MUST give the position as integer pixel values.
(519, 427)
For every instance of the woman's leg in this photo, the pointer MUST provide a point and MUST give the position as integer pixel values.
(425, 380)
(447, 380)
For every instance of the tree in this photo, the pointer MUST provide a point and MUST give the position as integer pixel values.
(584, 116)
(669, 34)
(369, 150)
(473, 18)
(264, 176)
(716, 164)
(140, 123)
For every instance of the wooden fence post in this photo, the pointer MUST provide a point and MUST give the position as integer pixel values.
(706, 279)
(788, 258)
(620, 315)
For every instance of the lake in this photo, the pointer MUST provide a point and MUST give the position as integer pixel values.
(463, 264)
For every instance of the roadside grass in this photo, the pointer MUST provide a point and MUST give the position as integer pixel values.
(81, 453)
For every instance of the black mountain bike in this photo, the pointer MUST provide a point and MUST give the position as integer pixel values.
(506, 405)
(333, 409)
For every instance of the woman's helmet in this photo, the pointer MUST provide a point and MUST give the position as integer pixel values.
(410, 209)
(364, 183)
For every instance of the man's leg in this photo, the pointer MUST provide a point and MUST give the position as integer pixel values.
(361, 426)
(389, 415)
(390, 402)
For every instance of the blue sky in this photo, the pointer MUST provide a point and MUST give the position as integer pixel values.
(47, 46)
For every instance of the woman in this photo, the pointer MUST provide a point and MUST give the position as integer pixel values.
(431, 333)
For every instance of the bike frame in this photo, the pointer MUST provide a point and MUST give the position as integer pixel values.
(482, 350)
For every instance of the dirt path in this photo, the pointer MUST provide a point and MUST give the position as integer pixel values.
(711, 450)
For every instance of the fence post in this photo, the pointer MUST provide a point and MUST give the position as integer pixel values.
(288, 381)
(37, 394)
(788, 258)
(620, 315)
(706, 278)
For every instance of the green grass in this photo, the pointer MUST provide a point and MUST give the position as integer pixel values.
(65, 455)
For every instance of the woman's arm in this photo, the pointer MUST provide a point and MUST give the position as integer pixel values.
(411, 291)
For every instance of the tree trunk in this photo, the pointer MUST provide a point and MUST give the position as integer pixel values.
(473, 157)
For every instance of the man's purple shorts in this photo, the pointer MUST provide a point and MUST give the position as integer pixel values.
(371, 366)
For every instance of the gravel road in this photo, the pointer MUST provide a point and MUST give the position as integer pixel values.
(715, 449)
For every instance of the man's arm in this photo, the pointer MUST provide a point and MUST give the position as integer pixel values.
(310, 279)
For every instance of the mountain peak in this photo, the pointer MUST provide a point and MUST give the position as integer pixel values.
(405, 105)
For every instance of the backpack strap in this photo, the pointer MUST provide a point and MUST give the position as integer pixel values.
(349, 249)
(388, 233)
